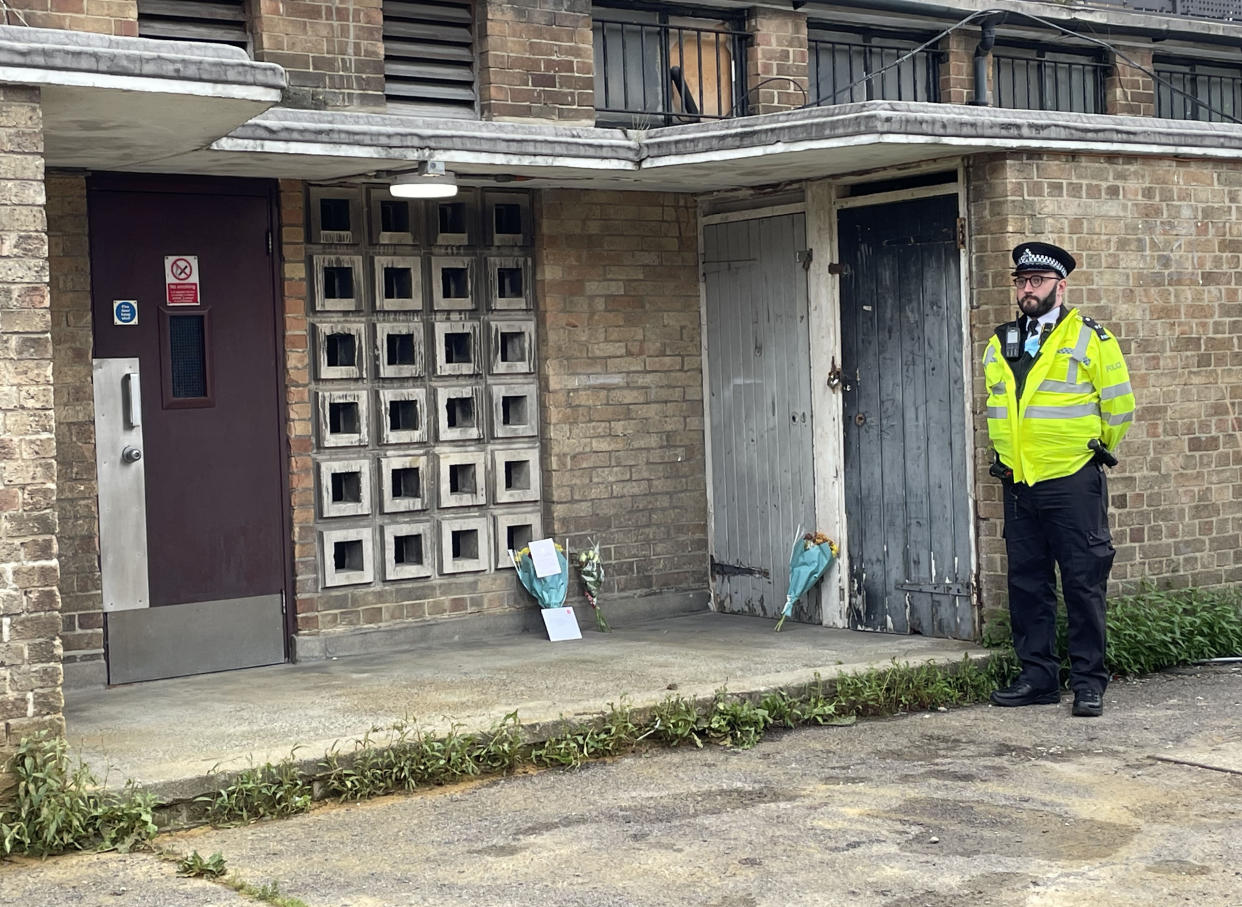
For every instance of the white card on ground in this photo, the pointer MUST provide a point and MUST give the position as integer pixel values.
(543, 553)
(561, 623)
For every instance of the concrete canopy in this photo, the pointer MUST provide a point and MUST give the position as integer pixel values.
(114, 103)
(699, 157)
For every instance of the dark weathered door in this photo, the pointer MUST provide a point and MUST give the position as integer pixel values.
(211, 418)
(907, 500)
(759, 404)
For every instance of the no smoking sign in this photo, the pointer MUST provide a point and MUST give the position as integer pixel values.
(181, 279)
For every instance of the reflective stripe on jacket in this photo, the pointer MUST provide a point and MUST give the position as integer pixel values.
(1077, 389)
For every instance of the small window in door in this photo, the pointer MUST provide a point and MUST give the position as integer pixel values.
(187, 356)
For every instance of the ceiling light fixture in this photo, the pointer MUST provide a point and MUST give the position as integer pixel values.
(430, 180)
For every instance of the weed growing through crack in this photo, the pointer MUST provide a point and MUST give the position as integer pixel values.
(264, 792)
(736, 721)
(57, 806)
(195, 866)
(269, 893)
(676, 721)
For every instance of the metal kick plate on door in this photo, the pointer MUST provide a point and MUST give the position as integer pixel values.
(122, 484)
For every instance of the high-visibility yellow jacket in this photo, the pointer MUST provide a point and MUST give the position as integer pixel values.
(1078, 388)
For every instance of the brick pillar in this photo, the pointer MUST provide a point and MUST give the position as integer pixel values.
(776, 61)
(957, 68)
(106, 17)
(333, 52)
(1129, 91)
(30, 669)
(297, 401)
(536, 61)
(77, 493)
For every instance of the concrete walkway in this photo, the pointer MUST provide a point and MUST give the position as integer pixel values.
(170, 735)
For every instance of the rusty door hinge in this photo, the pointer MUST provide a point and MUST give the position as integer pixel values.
(961, 233)
(839, 268)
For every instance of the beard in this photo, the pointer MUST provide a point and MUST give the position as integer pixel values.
(1033, 305)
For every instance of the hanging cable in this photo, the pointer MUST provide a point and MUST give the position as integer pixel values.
(15, 12)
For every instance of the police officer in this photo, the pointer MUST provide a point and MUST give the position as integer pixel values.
(1056, 383)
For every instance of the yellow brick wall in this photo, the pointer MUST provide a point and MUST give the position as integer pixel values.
(622, 385)
(107, 17)
(77, 503)
(1159, 247)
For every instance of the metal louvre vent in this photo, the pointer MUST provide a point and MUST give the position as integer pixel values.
(221, 21)
(429, 57)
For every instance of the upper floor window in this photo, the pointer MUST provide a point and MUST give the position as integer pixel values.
(1193, 90)
(429, 57)
(846, 66)
(659, 67)
(219, 21)
(1031, 78)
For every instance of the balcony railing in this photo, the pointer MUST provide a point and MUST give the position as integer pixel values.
(1048, 82)
(655, 74)
(1192, 92)
(841, 71)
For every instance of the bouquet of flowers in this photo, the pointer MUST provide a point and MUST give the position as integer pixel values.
(549, 591)
(591, 569)
(812, 555)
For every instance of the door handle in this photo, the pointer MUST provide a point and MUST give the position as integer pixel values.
(131, 455)
(132, 393)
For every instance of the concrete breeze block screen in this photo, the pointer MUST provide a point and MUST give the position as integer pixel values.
(426, 440)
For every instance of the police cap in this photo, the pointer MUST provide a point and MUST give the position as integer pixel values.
(1042, 256)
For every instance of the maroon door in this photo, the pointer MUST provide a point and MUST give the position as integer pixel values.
(211, 416)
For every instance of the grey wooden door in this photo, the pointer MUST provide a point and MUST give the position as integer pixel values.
(759, 404)
(906, 495)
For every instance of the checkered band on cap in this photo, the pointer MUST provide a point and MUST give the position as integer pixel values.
(1030, 260)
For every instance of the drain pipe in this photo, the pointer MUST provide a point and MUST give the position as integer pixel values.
(986, 39)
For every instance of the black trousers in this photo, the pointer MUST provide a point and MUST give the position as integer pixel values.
(1062, 521)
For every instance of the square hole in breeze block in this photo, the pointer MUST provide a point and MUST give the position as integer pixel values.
(516, 475)
(507, 217)
(452, 283)
(508, 283)
(336, 285)
(394, 221)
(463, 478)
(457, 348)
(339, 351)
(398, 283)
(512, 347)
(334, 214)
(514, 410)
(346, 557)
(399, 349)
(344, 488)
(342, 418)
(514, 530)
(406, 484)
(464, 545)
(458, 413)
(403, 415)
(409, 551)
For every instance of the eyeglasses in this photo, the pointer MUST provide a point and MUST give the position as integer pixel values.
(1036, 281)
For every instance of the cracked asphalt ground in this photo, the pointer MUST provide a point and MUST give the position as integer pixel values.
(979, 806)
